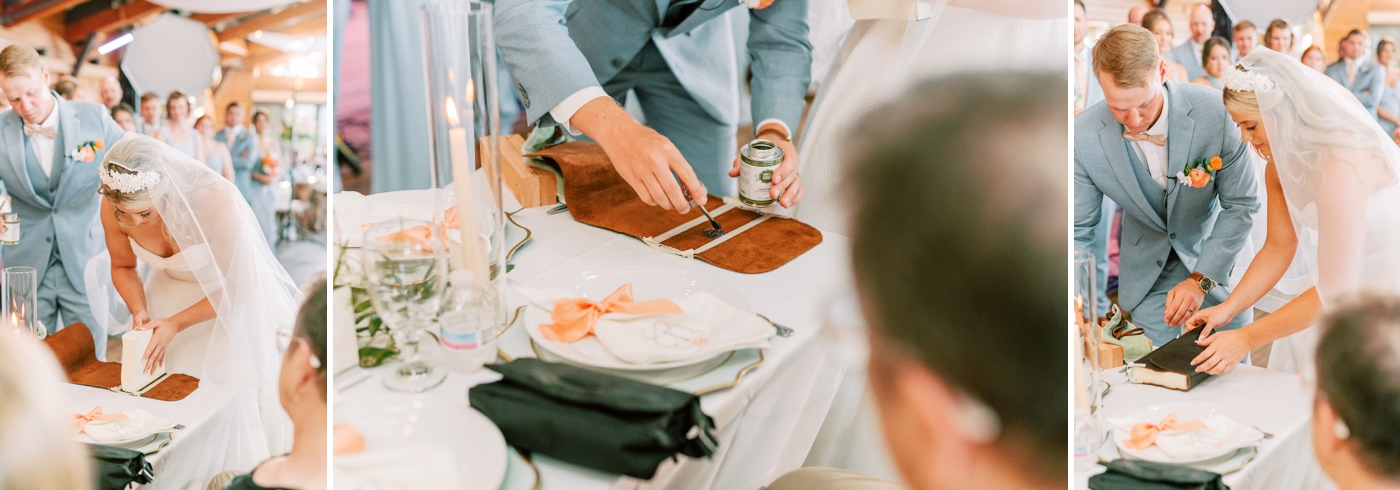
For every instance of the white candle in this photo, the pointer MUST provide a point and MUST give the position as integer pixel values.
(463, 163)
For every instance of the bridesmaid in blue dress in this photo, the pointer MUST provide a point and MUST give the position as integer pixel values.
(216, 154)
(1388, 112)
(1215, 56)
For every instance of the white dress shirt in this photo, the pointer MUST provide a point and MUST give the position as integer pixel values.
(44, 145)
(1196, 49)
(231, 133)
(1156, 156)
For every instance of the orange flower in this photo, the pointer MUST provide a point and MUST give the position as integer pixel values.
(97, 145)
(1215, 163)
(87, 154)
(763, 4)
(1198, 177)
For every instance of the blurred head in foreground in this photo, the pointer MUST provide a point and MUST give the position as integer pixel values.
(959, 254)
(37, 450)
(1356, 413)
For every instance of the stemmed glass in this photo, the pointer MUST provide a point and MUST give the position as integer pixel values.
(406, 273)
(1086, 317)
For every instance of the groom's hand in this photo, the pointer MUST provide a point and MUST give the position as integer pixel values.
(1182, 301)
(643, 157)
(139, 320)
(787, 183)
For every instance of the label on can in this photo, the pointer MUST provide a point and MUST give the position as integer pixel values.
(9, 229)
(757, 162)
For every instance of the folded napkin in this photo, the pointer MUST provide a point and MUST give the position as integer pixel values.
(651, 332)
(80, 421)
(424, 466)
(1187, 441)
(136, 424)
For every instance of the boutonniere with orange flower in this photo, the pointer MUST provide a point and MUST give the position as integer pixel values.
(1198, 173)
(757, 4)
(86, 152)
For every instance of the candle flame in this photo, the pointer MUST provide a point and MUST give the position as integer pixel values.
(451, 109)
(471, 90)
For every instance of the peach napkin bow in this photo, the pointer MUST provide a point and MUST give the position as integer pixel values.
(80, 421)
(1144, 434)
(574, 318)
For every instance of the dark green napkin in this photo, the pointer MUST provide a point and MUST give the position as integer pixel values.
(118, 467)
(1146, 475)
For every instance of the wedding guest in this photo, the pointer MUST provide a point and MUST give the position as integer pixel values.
(149, 124)
(947, 425)
(247, 159)
(216, 154)
(178, 133)
(125, 116)
(1314, 58)
(1189, 53)
(1217, 56)
(302, 390)
(1388, 110)
(1279, 36)
(37, 450)
(1135, 14)
(66, 89)
(1356, 410)
(1160, 25)
(265, 173)
(111, 92)
(1086, 85)
(1364, 78)
(1246, 37)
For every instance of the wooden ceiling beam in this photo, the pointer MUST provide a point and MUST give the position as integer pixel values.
(275, 20)
(212, 20)
(107, 21)
(35, 9)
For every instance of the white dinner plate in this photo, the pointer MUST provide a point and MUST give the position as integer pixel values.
(648, 283)
(402, 420)
(1185, 412)
(113, 405)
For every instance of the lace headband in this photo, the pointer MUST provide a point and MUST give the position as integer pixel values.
(127, 183)
(1239, 80)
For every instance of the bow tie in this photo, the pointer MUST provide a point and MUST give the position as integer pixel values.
(31, 129)
(1156, 139)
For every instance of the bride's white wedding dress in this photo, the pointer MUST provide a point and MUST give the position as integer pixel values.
(222, 256)
(880, 59)
(1329, 151)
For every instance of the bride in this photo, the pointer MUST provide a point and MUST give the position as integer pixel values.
(1333, 183)
(215, 295)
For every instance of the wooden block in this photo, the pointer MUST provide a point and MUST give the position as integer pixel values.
(531, 186)
(1110, 355)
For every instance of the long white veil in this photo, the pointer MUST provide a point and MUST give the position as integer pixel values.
(251, 293)
(1328, 150)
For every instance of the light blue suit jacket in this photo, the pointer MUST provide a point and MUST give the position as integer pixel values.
(1186, 55)
(246, 158)
(555, 48)
(71, 217)
(1207, 226)
(1368, 86)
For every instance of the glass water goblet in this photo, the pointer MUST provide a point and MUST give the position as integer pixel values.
(406, 274)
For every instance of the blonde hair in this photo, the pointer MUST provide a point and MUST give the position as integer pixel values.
(19, 60)
(1129, 53)
(37, 450)
(1239, 101)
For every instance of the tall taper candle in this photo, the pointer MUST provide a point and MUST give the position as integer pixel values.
(463, 163)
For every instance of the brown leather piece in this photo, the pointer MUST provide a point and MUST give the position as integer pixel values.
(598, 196)
(77, 354)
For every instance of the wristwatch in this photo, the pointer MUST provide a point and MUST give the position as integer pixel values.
(1205, 283)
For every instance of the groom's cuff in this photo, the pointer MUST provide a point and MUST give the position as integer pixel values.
(773, 120)
(564, 111)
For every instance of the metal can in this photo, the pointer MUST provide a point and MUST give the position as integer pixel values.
(757, 162)
(9, 234)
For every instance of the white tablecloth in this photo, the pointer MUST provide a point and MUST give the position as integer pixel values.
(1274, 401)
(767, 423)
(214, 439)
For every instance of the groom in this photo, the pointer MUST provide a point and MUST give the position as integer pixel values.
(50, 149)
(678, 57)
(1179, 242)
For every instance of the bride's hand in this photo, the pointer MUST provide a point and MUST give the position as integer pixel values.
(163, 331)
(1223, 351)
(1209, 319)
